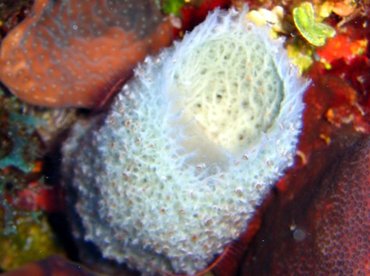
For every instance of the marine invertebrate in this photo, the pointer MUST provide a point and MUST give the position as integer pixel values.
(343, 204)
(189, 147)
(73, 53)
(328, 226)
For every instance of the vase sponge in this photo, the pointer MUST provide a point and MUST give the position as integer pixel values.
(189, 148)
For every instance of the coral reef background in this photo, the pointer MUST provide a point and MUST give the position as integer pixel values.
(336, 118)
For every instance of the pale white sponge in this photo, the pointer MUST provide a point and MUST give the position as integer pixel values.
(189, 148)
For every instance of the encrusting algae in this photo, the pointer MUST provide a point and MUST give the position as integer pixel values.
(189, 148)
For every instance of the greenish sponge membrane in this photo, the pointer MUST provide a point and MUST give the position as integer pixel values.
(189, 148)
(212, 81)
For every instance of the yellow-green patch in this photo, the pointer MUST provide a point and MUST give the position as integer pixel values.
(33, 241)
(314, 32)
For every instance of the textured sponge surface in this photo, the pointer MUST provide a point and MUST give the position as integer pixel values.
(164, 184)
(235, 92)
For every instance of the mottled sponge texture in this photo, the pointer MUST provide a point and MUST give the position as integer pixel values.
(189, 148)
(73, 53)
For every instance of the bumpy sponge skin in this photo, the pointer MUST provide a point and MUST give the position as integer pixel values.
(189, 148)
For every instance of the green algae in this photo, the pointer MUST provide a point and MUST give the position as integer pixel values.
(172, 6)
(32, 241)
(314, 32)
